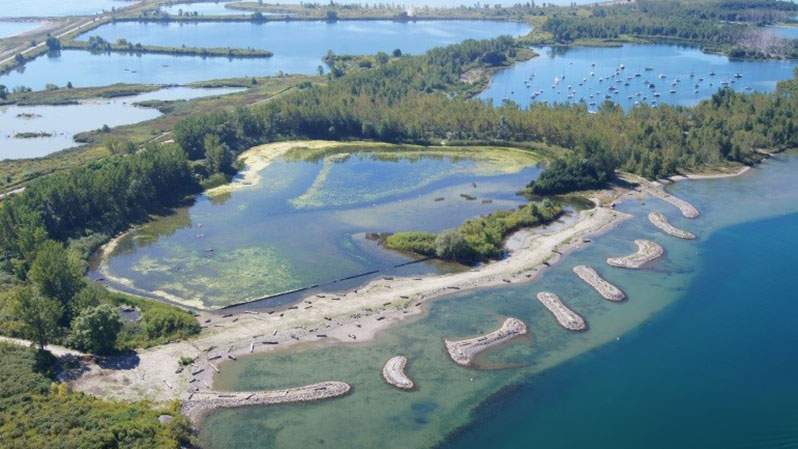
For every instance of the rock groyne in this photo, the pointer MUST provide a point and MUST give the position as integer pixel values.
(661, 221)
(604, 288)
(464, 351)
(646, 252)
(201, 403)
(565, 316)
(394, 373)
(687, 209)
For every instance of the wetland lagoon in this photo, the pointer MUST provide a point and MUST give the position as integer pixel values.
(559, 376)
(304, 222)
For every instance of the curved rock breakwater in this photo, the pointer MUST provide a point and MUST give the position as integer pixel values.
(604, 288)
(464, 351)
(661, 221)
(646, 252)
(687, 209)
(201, 403)
(394, 373)
(565, 316)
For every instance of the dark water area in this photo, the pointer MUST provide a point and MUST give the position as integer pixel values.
(716, 370)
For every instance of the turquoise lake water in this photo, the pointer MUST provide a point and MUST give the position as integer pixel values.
(298, 48)
(692, 345)
(718, 367)
(683, 70)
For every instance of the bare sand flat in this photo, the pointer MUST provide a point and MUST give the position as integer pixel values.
(464, 351)
(394, 373)
(201, 403)
(661, 221)
(646, 252)
(604, 288)
(566, 317)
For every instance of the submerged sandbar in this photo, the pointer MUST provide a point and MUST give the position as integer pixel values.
(604, 288)
(464, 351)
(565, 316)
(661, 221)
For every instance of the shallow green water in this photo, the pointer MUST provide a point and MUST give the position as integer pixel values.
(304, 223)
(376, 415)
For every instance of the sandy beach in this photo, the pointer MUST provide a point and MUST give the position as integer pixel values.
(604, 288)
(463, 352)
(646, 252)
(566, 317)
(661, 221)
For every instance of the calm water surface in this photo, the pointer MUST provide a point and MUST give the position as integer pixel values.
(63, 122)
(712, 359)
(790, 32)
(304, 223)
(8, 29)
(203, 9)
(311, 40)
(298, 47)
(31, 8)
(562, 75)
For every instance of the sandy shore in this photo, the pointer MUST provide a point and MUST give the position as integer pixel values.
(464, 351)
(646, 252)
(394, 373)
(202, 403)
(565, 316)
(604, 288)
(661, 221)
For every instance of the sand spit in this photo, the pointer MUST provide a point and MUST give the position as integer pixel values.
(646, 252)
(661, 221)
(344, 317)
(394, 373)
(464, 351)
(201, 403)
(565, 316)
(604, 288)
